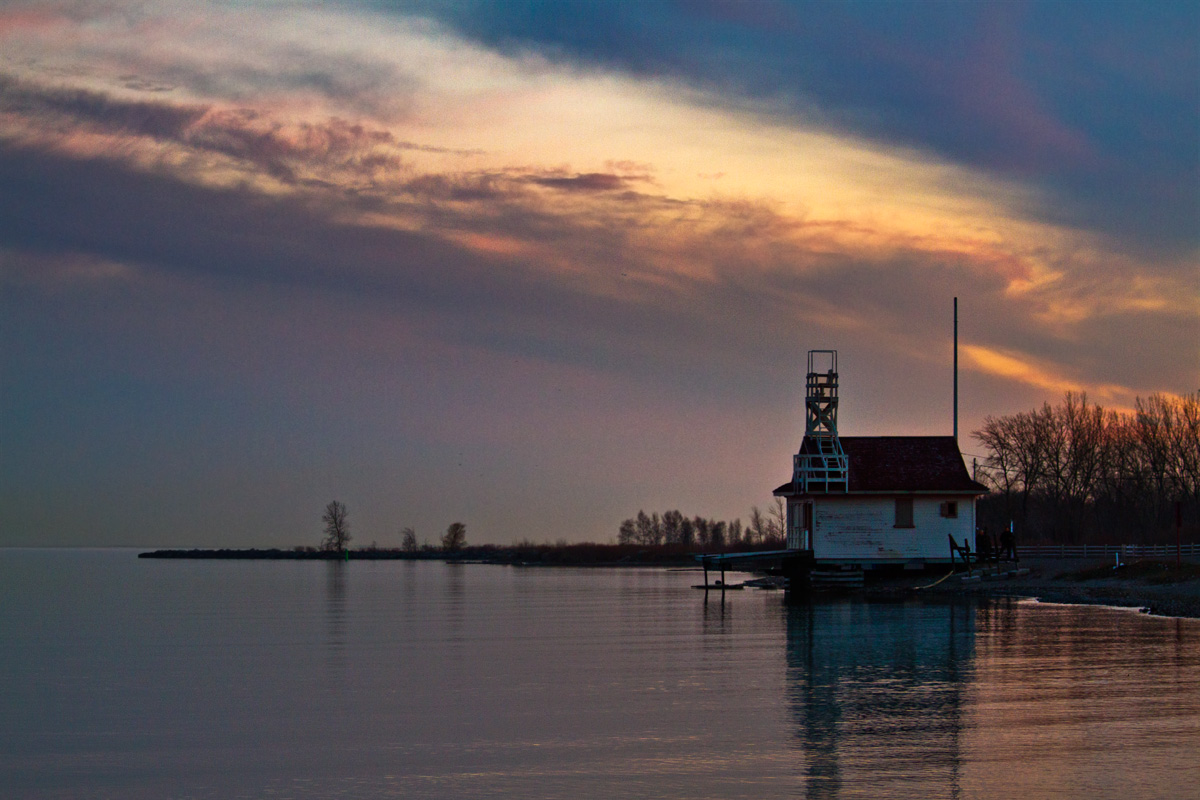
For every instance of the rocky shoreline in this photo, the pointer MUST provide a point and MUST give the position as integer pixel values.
(1155, 586)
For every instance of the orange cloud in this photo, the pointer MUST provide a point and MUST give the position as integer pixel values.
(1029, 371)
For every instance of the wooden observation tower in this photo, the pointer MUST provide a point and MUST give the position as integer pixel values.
(821, 465)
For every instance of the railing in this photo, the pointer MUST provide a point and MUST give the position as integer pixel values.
(1106, 550)
(797, 539)
(812, 469)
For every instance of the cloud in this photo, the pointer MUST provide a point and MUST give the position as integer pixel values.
(183, 206)
(55, 271)
(1016, 368)
(891, 233)
(589, 182)
(488, 262)
(286, 151)
(52, 107)
(329, 146)
(1098, 114)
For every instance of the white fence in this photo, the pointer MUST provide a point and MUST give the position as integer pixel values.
(1107, 550)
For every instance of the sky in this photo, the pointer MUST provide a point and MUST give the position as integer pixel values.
(534, 266)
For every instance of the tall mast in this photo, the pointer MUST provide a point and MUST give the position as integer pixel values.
(956, 370)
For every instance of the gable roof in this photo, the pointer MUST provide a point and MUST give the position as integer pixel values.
(902, 464)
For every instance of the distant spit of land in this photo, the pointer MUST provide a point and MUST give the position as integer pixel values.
(576, 555)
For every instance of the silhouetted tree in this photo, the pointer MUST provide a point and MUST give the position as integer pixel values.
(1067, 471)
(337, 529)
(734, 537)
(777, 524)
(645, 529)
(687, 532)
(408, 540)
(673, 529)
(716, 535)
(672, 525)
(455, 537)
(756, 532)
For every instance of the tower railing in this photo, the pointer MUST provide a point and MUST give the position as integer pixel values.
(822, 471)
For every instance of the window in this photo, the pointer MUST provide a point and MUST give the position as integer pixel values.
(949, 509)
(904, 514)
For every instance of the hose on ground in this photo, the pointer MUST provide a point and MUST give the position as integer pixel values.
(935, 583)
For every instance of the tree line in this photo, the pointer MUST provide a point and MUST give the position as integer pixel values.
(337, 533)
(1077, 472)
(672, 528)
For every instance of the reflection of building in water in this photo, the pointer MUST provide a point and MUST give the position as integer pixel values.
(877, 692)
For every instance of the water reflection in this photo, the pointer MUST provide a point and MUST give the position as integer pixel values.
(717, 617)
(335, 614)
(456, 599)
(1072, 701)
(877, 693)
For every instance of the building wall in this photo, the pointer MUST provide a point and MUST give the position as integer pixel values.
(862, 529)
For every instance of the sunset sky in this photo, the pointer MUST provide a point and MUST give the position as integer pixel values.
(535, 266)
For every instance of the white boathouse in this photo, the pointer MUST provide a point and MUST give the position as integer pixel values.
(870, 501)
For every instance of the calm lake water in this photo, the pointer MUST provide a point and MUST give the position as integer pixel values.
(127, 678)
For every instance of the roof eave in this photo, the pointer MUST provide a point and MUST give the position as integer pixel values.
(787, 491)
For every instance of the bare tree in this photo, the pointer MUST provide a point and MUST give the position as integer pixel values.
(455, 538)
(757, 530)
(1187, 444)
(734, 537)
(778, 513)
(1076, 469)
(408, 540)
(672, 525)
(687, 532)
(337, 529)
(674, 529)
(716, 534)
(645, 528)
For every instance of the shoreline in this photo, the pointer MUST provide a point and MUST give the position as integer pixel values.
(1153, 586)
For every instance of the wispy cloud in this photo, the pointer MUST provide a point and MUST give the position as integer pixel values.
(1042, 376)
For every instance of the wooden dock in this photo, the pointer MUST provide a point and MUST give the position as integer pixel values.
(795, 564)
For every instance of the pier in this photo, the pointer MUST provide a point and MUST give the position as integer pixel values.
(795, 565)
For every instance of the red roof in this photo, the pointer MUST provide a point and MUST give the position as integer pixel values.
(903, 464)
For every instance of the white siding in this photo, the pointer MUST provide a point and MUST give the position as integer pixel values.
(852, 528)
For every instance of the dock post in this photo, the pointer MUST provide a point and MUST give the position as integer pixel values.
(797, 569)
